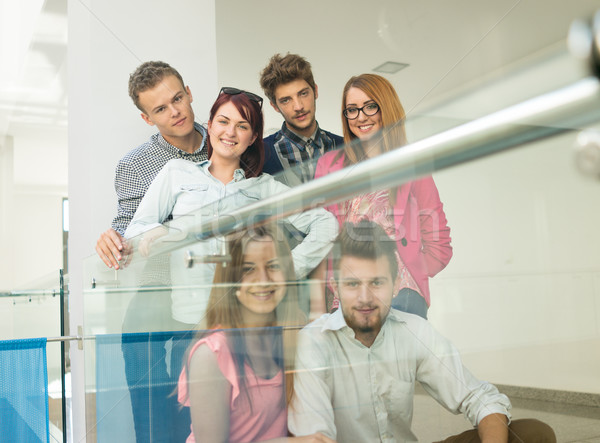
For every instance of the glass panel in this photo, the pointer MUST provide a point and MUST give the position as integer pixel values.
(514, 259)
(536, 262)
(31, 313)
(491, 264)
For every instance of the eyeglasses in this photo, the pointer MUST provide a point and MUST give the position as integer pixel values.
(235, 91)
(369, 109)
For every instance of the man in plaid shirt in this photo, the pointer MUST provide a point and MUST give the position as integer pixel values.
(159, 92)
(289, 84)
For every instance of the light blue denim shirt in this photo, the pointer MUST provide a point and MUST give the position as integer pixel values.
(351, 392)
(181, 188)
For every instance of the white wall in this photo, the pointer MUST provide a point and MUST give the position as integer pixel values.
(521, 296)
(33, 184)
(107, 41)
(522, 287)
(6, 203)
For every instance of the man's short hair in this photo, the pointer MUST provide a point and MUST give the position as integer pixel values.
(366, 240)
(285, 69)
(147, 76)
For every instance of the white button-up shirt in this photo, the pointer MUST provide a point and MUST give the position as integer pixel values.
(191, 194)
(353, 393)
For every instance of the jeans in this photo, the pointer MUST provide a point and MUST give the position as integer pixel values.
(410, 301)
(526, 430)
(151, 374)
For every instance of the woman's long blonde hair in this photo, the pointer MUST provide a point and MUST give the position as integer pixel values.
(224, 309)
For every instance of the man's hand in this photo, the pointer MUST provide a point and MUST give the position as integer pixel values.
(493, 428)
(111, 248)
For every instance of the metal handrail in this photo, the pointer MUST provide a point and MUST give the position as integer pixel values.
(31, 292)
(549, 114)
(63, 338)
(93, 336)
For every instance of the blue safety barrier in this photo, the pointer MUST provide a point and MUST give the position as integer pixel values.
(24, 391)
(136, 380)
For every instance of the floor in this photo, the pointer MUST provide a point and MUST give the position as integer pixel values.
(571, 423)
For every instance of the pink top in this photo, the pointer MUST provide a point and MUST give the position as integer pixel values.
(421, 231)
(268, 416)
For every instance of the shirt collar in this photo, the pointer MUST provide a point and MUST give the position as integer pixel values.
(313, 136)
(166, 145)
(299, 139)
(238, 174)
(334, 322)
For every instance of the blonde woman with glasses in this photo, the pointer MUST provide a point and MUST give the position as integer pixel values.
(411, 214)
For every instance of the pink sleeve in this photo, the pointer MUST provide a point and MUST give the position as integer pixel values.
(435, 233)
(322, 164)
(329, 162)
(217, 343)
(319, 168)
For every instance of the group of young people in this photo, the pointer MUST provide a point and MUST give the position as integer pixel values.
(350, 375)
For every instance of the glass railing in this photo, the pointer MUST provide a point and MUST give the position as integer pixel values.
(34, 311)
(497, 253)
(520, 287)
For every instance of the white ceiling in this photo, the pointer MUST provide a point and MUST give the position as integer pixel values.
(33, 77)
(449, 44)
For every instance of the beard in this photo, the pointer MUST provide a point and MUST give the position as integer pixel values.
(366, 329)
(365, 325)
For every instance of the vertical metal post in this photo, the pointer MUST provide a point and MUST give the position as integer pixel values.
(63, 360)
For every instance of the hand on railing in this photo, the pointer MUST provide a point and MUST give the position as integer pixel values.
(113, 249)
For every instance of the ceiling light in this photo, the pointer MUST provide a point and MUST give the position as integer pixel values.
(390, 67)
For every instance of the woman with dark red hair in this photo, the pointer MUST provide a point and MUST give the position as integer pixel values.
(230, 179)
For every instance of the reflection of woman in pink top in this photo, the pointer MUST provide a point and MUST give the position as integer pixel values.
(234, 379)
(412, 214)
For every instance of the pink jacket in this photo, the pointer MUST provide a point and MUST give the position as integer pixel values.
(423, 234)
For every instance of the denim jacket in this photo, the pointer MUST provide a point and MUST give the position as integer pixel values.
(186, 189)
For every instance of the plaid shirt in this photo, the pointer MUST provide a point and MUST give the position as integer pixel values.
(138, 168)
(296, 155)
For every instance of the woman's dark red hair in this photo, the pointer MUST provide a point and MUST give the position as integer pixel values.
(253, 159)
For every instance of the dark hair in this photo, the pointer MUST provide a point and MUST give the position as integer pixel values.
(367, 240)
(285, 69)
(147, 76)
(253, 159)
